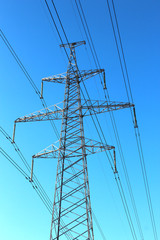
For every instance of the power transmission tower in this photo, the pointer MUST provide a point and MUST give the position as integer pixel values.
(72, 214)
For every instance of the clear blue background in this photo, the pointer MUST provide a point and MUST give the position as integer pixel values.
(28, 27)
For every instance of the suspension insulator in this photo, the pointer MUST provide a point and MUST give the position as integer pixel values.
(41, 90)
(32, 170)
(104, 80)
(115, 166)
(14, 129)
(135, 119)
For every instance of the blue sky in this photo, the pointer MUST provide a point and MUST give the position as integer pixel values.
(28, 28)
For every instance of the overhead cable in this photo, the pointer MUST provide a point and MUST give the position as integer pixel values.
(19, 62)
(111, 114)
(134, 235)
(35, 182)
(61, 43)
(136, 129)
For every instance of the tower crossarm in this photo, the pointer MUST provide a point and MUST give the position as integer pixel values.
(91, 107)
(82, 75)
(50, 113)
(49, 152)
(73, 44)
(52, 151)
(85, 74)
(91, 147)
(59, 78)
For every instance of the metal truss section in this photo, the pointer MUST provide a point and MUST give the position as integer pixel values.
(89, 107)
(72, 214)
(91, 146)
(73, 44)
(82, 75)
(72, 195)
(50, 152)
(59, 78)
(53, 112)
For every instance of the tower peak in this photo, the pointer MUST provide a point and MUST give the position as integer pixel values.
(73, 44)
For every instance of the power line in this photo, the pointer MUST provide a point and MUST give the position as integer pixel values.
(33, 85)
(14, 163)
(35, 182)
(60, 36)
(143, 172)
(111, 114)
(42, 100)
(67, 57)
(19, 62)
(137, 132)
(3, 152)
(120, 188)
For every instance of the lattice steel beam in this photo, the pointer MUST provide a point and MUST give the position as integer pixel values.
(72, 215)
(88, 108)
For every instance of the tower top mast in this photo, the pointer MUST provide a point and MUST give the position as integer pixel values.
(73, 44)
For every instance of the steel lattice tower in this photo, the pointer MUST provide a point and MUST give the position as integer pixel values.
(72, 214)
(72, 198)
